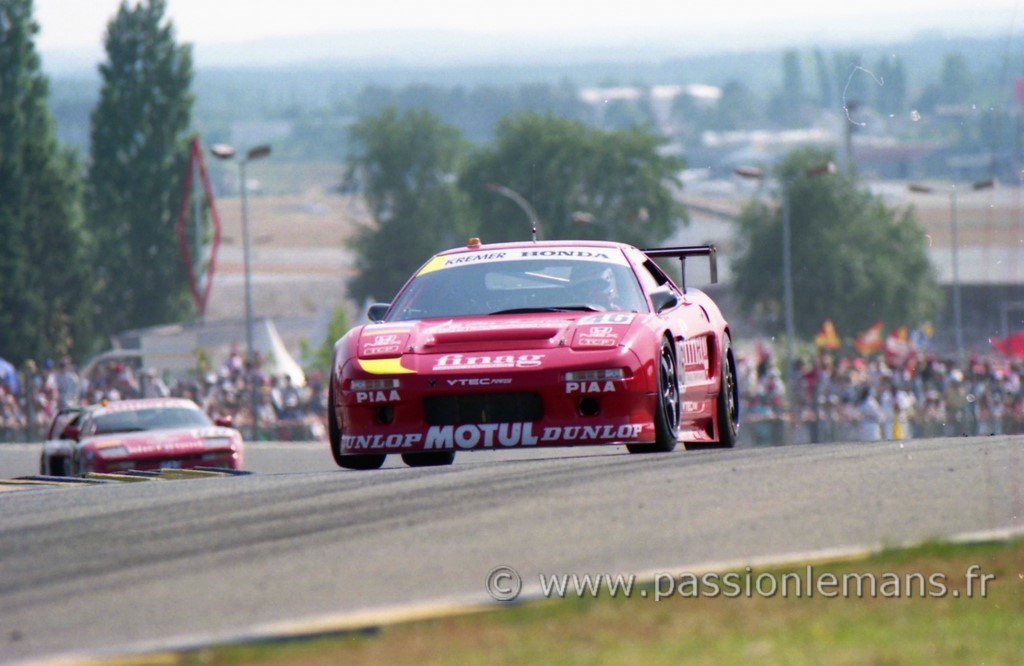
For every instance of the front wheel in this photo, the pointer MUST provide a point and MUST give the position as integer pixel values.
(667, 411)
(348, 461)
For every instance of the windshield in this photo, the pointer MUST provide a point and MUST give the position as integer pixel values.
(511, 287)
(147, 419)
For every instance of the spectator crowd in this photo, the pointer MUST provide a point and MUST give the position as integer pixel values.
(870, 399)
(828, 399)
(286, 410)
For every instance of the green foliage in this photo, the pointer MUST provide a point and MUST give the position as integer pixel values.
(891, 95)
(738, 108)
(139, 145)
(850, 78)
(408, 163)
(853, 260)
(826, 89)
(619, 181)
(793, 94)
(321, 358)
(44, 289)
(478, 110)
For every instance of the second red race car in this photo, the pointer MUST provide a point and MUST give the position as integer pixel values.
(535, 344)
(144, 435)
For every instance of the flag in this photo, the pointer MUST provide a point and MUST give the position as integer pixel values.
(897, 345)
(920, 336)
(1012, 346)
(869, 341)
(826, 337)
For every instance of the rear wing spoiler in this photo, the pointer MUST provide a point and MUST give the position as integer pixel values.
(682, 253)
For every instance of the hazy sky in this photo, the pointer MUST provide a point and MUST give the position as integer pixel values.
(80, 23)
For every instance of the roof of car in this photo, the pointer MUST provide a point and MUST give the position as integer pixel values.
(535, 244)
(142, 403)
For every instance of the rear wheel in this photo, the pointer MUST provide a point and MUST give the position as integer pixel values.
(348, 461)
(666, 416)
(429, 459)
(727, 405)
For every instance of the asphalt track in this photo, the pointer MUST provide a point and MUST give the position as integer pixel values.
(118, 568)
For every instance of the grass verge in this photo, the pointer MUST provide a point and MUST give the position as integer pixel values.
(908, 606)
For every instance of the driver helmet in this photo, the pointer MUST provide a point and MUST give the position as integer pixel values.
(593, 283)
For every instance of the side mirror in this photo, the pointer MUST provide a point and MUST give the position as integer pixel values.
(224, 421)
(377, 311)
(663, 298)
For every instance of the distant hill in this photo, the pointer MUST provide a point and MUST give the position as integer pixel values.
(285, 78)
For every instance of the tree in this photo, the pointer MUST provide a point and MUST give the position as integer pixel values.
(320, 357)
(44, 279)
(408, 164)
(826, 89)
(737, 108)
(891, 95)
(139, 150)
(582, 182)
(787, 106)
(854, 261)
(851, 79)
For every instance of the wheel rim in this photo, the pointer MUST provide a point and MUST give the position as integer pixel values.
(669, 390)
(729, 386)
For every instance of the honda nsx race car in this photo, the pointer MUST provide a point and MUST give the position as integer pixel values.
(535, 344)
(145, 434)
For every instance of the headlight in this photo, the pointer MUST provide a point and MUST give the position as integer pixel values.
(112, 452)
(217, 442)
(595, 375)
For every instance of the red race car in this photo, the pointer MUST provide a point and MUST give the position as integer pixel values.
(535, 344)
(146, 434)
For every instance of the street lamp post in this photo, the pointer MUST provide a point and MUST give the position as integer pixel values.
(958, 331)
(787, 267)
(226, 152)
(520, 201)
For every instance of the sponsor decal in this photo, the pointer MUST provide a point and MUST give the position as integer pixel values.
(595, 433)
(565, 253)
(475, 257)
(596, 342)
(395, 441)
(597, 336)
(608, 318)
(695, 358)
(476, 326)
(484, 435)
(377, 396)
(690, 406)
(590, 387)
(382, 345)
(692, 376)
(491, 436)
(369, 350)
(464, 361)
(480, 381)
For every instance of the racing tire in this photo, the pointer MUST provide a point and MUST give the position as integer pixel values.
(429, 459)
(667, 411)
(348, 461)
(727, 405)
